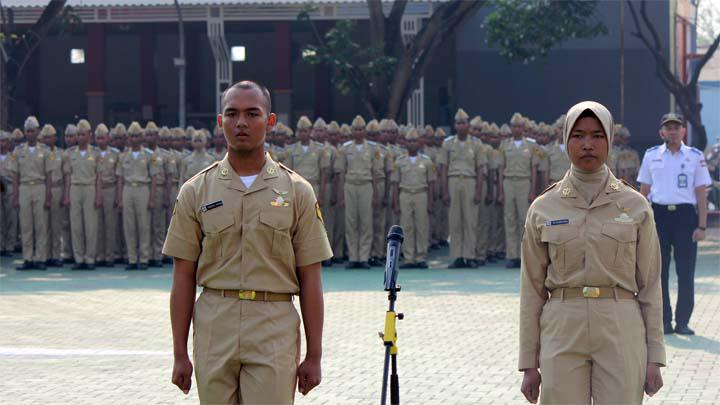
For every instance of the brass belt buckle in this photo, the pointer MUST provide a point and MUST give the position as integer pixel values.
(591, 292)
(672, 207)
(246, 295)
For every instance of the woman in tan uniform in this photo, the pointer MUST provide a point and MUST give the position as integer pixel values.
(590, 304)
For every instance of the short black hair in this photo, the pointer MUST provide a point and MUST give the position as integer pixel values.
(249, 85)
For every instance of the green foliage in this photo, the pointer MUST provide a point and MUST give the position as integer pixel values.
(525, 29)
(354, 64)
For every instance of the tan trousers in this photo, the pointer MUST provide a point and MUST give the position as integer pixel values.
(136, 222)
(439, 218)
(497, 244)
(8, 219)
(83, 222)
(33, 222)
(338, 240)
(329, 214)
(379, 235)
(107, 224)
(158, 227)
(358, 222)
(67, 251)
(516, 192)
(462, 217)
(56, 220)
(120, 245)
(245, 351)
(415, 222)
(173, 197)
(592, 348)
(483, 229)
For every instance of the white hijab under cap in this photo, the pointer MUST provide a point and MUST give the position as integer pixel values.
(602, 114)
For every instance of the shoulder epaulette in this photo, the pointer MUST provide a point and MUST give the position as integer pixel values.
(287, 169)
(628, 184)
(696, 150)
(653, 148)
(212, 165)
(550, 187)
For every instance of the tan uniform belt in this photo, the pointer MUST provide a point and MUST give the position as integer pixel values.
(413, 191)
(591, 292)
(250, 295)
(32, 183)
(136, 184)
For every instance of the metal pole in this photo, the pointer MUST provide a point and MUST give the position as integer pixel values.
(180, 64)
(622, 62)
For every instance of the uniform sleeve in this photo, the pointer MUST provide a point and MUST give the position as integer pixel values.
(66, 168)
(395, 174)
(325, 159)
(340, 161)
(647, 277)
(481, 159)
(702, 174)
(492, 159)
(442, 156)
(155, 166)
(13, 165)
(644, 174)
(119, 167)
(431, 172)
(533, 294)
(535, 155)
(309, 239)
(170, 166)
(184, 236)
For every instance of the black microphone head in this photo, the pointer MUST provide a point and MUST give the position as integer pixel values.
(396, 232)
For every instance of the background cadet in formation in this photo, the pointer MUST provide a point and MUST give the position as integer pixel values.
(8, 211)
(502, 176)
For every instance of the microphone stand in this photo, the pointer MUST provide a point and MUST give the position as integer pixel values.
(389, 336)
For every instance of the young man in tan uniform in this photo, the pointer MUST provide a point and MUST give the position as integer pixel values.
(118, 136)
(107, 213)
(197, 160)
(480, 131)
(309, 158)
(356, 165)
(8, 212)
(250, 232)
(557, 156)
(33, 196)
(83, 193)
(516, 184)
(136, 174)
(219, 148)
(158, 214)
(412, 179)
(590, 297)
(57, 211)
(328, 199)
(463, 164)
(439, 216)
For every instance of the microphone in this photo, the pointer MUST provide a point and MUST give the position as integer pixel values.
(395, 239)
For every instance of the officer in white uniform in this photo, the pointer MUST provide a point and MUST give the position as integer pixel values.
(675, 177)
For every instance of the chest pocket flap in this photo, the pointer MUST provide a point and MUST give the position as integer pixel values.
(279, 218)
(558, 234)
(216, 222)
(620, 232)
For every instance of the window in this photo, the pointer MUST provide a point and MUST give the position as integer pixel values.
(77, 56)
(238, 53)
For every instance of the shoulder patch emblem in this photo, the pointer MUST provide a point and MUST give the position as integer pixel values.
(319, 213)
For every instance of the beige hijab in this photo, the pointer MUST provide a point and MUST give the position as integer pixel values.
(589, 184)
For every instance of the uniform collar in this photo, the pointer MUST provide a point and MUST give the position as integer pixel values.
(269, 171)
(683, 148)
(568, 192)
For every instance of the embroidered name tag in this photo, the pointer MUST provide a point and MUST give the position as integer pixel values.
(557, 222)
(208, 207)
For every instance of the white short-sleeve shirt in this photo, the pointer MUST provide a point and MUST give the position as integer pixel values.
(673, 177)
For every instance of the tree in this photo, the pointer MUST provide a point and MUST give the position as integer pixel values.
(17, 46)
(686, 95)
(708, 22)
(385, 73)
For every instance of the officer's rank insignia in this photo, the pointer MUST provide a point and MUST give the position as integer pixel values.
(224, 171)
(318, 212)
(271, 170)
(614, 186)
(624, 217)
(279, 201)
(278, 192)
(566, 191)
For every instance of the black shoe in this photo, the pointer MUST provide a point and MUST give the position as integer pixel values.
(421, 265)
(26, 266)
(68, 260)
(131, 266)
(500, 255)
(154, 263)
(121, 261)
(40, 266)
(142, 266)
(510, 264)
(80, 266)
(471, 263)
(683, 330)
(374, 262)
(90, 266)
(337, 260)
(167, 260)
(327, 263)
(459, 263)
(351, 265)
(53, 263)
(4, 253)
(409, 266)
(480, 263)
(434, 246)
(668, 329)
(362, 265)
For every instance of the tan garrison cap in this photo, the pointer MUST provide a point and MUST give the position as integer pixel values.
(151, 127)
(71, 129)
(135, 129)
(304, 123)
(101, 130)
(31, 122)
(411, 134)
(387, 124)
(320, 124)
(505, 130)
(476, 122)
(345, 129)
(84, 125)
(47, 130)
(119, 130)
(358, 122)
(333, 127)
(165, 132)
(440, 133)
(517, 119)
(461, 115)
(16, 133)
(373, 126)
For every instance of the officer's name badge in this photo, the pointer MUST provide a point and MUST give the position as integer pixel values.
(212, 205)
(557, 222)
(279, 201)
(624, 217)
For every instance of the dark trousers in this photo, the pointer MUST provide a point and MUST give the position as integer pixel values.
(675, 229)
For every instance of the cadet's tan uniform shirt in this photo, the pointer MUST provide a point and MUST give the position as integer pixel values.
(359, 162)
(137, 167)
(107, 165)
(413, 177)
(54, 166)
(193, 164)
(30, 163)
(248, 239)
(559, 161)
(517, 161)
(462, 158)
(308, 163)
(81, 167)
(611, 243)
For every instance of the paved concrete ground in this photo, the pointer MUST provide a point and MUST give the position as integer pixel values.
(104, 337)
